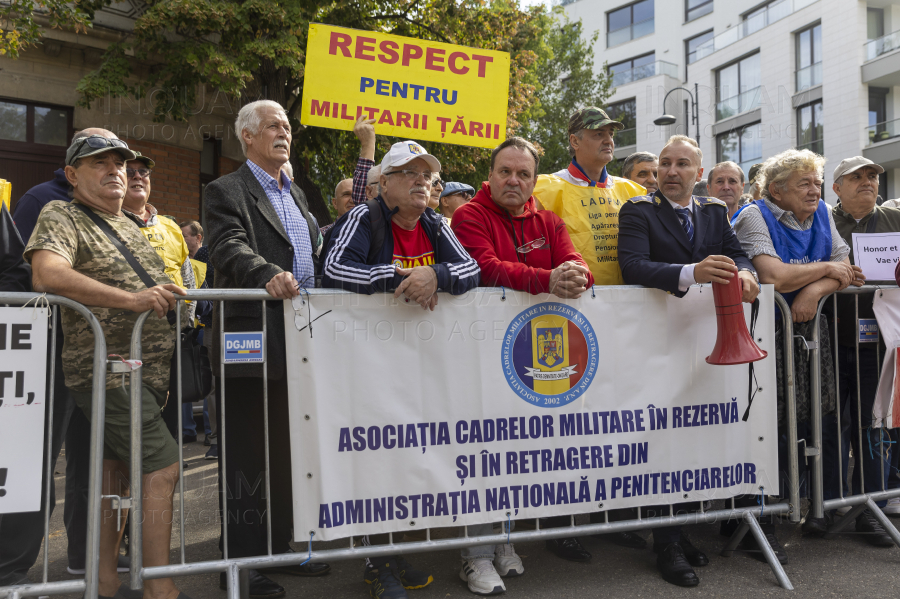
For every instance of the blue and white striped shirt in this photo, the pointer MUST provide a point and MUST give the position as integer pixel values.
(293, 221)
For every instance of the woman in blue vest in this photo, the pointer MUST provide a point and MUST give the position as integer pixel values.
(790, 236)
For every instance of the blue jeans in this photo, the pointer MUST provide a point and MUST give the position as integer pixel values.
(482, 551)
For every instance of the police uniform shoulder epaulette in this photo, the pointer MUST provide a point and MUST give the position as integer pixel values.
(646, 198)
(703, 200)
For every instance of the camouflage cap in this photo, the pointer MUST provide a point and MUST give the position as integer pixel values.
(148, 162)
(591, 117)
(754, 170)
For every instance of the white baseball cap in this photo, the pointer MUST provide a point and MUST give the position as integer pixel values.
(406, 151)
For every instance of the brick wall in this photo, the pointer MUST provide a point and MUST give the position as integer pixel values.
(175, 183)
(227, 165)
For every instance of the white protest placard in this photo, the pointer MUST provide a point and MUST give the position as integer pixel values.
(876, 254)
(507, 405)
(23, 382)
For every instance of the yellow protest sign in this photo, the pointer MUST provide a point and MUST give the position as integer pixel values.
(5, 192)
(413, 88)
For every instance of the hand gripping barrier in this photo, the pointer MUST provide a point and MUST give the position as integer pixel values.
(90, 584)
(867, 498)
(236, 569)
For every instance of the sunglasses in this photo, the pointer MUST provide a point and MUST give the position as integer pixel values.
(143, 172)
(531, 245)
(98, 142)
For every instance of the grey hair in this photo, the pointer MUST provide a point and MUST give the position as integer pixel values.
(248, 118)
(733, 165)
(374, 175)
(839, 180)
(777, 169)
(635, 159)
(580, 135)
(684, 139)
(288, 169)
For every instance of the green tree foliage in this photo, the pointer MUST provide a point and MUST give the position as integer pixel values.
(252, 49)
(22, 20)
(565, 82)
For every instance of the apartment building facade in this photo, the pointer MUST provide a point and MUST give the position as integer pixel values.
(765, 76)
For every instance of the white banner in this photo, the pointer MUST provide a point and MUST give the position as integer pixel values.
(23, 381)
(405, 419)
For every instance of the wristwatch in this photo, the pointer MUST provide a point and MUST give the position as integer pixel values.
(752, 272)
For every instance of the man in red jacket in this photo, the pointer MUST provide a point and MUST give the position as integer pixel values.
(516, 245)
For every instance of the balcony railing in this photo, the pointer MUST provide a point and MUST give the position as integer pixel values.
(774, 12)
(626, 137)
(632, 32)
(810, 76)
(882, 45)
(883, 131)
(660, 67)
(729, 107)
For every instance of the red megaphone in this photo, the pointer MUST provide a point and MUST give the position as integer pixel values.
(734, 345)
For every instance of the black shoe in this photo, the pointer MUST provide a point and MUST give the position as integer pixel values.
(260, 586)
(307, 569)
(749, 544)
(674, 567)
(624, 539)
(570, 549)
(874, 532)
(213, 453)
(387, 583)
(206, 441)
(185, 439)
(815, 526)
(694, 556)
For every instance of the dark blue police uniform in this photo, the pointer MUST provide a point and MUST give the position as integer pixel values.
(653, 245)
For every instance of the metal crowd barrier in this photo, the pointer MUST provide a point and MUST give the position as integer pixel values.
(236, 569)
(90, 584)
(865, 500)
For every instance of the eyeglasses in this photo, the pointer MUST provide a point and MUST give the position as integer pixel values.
(97, 142)
(531, 245)
(143, 172)
(438, 182)
(412, 175)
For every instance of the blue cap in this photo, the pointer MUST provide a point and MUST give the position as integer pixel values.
(454, 187)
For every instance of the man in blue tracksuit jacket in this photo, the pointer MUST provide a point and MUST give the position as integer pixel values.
(407, 247)
(419, 254)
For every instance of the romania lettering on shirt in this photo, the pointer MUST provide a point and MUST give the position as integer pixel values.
(411, 248)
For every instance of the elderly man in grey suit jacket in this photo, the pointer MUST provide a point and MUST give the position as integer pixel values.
(262, 236)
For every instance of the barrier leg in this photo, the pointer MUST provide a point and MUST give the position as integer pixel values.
(884, 520)
(735, 539)
(763, 543)
(844, 520)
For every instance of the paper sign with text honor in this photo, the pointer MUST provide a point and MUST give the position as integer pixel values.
(413, 88)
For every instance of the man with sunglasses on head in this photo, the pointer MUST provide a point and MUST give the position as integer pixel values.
(408, 248)
(73, 255)
(21, 536)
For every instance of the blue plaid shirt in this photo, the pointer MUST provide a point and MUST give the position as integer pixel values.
(294, 223)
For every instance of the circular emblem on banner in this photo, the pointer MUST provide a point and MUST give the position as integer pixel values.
(549, 355)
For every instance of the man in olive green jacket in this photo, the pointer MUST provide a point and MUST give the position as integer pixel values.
(856, 185)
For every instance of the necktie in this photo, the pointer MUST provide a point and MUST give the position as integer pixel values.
(685, 215)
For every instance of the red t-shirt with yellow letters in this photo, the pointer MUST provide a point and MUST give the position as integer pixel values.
(411, 248)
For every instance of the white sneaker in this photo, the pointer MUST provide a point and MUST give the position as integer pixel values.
(482, 577)
(893, 507)
(506, 561)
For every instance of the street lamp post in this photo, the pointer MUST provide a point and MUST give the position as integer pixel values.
(668, 119)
